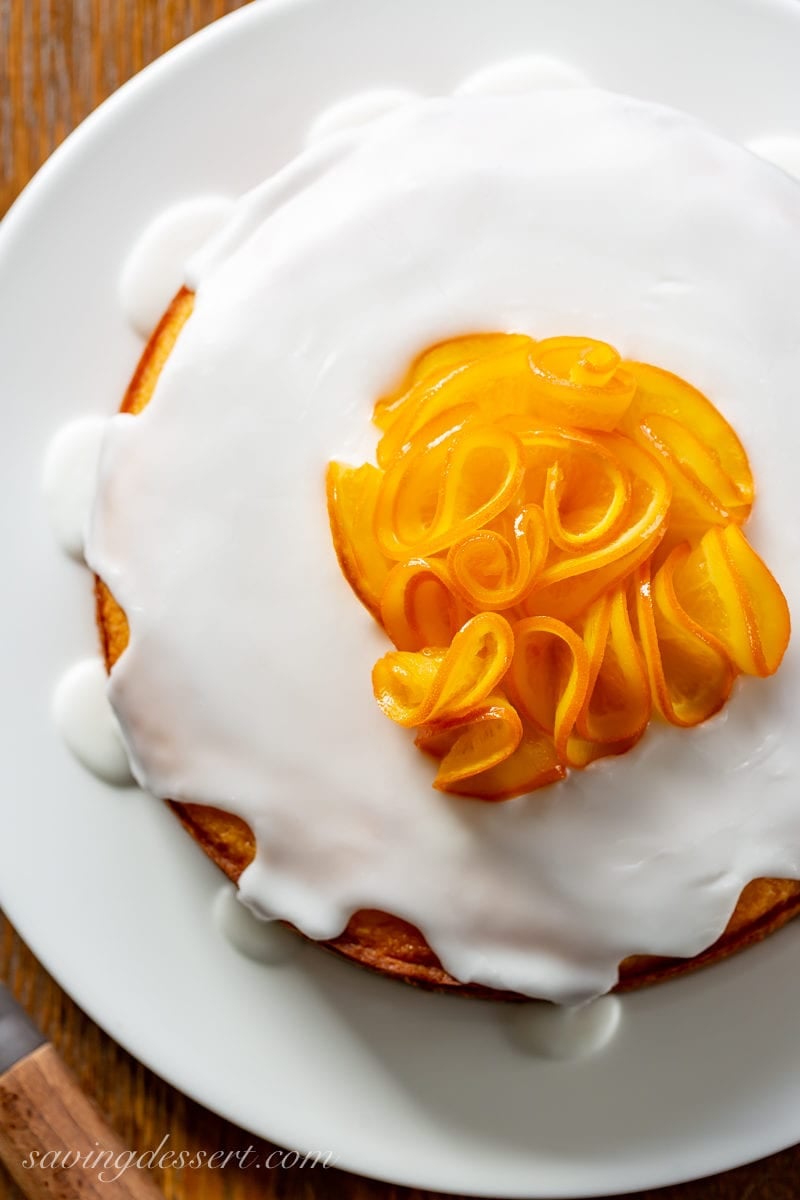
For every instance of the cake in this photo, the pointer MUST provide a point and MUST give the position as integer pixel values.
(212, 548)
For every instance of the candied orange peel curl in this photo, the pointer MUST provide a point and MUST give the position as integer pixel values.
(552, 539)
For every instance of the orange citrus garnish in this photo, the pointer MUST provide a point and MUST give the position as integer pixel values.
(552, 539)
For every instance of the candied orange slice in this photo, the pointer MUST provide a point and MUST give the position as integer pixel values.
(593, 628)
(419, 606)
(499, 381)
(617, 706)
(761, 597)
(581, 485)
(728, 589)
(569, 598)
(440, 362)
(578, 513)
(645, 516)
(660, 392)
(494, 570)
(581, 752)
(690, 673)
(552, 540)
(702, 494)
(471, 744)
(436, 494)
(533, 765)
(414, 688)
(549, 677)
(443, 358)
(580, 382)
(352, 493)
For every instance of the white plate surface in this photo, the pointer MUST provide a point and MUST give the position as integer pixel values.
(109, 892)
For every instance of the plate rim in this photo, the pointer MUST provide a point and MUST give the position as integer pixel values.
(23, 209)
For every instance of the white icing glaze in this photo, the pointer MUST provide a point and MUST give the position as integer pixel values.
(782, 150)
(154, 268)
(357, 111)
(557, 1031)
(264, 941)
(70, 480)
(87, 724)
(247, 679)
(529, 73)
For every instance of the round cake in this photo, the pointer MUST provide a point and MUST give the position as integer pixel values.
(240, 663)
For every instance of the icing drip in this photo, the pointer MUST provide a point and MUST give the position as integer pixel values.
(262, 941)
(357, 111)
(153, 270)
(529, 73)
(556, 1031)
(87, 724)
(70, 480)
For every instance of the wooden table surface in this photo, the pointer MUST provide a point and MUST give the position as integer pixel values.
(58, 60)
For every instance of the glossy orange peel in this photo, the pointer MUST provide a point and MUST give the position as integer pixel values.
(552, 539)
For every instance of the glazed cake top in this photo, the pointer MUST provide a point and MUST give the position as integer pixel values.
(246, 683)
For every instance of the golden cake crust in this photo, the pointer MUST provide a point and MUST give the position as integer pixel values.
(374, 939)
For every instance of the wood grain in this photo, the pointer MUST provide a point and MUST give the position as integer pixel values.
(58, 60)
(44, 1114)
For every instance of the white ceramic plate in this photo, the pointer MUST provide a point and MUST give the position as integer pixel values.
(106, 888)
